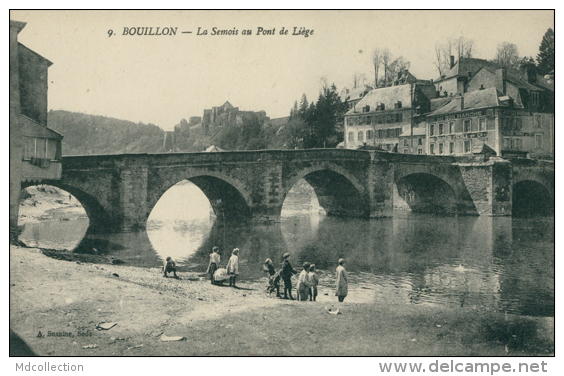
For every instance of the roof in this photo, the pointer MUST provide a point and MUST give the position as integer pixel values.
(439, 102)
(473, 100)
(17, 24)
(227, 105)
(354, 93)
(49, 63)
(387, 95)
(518, 79)
(463, 66)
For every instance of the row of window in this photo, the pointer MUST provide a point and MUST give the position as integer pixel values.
(449, 128)
(44, 148)
(406, 141)
(380, 133)
(516, 143)
(440, 148)
(375, 119)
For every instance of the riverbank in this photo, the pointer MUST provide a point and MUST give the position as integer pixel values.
(68, 299)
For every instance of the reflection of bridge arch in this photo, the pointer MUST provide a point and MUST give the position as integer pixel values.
(338, 191)
(227, 196)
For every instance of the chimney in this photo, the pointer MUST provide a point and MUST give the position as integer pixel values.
(501, 79)
(451, 61)
(460, 103)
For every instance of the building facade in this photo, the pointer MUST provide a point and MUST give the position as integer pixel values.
(35, 150)
(488, 117)
(384, 115)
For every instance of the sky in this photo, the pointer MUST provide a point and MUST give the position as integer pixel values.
(163, 79)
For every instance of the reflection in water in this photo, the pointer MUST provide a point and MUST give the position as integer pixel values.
(498, 263)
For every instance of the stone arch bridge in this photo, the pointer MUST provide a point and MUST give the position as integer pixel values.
(118, 192)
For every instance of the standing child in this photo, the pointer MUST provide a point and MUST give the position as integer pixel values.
(303, 283)
(215, 258)
(170, 267)
(314, 280)
(233, 267)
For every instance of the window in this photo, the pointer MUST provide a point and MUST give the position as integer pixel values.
(537, 121)
(482, 124)
(431, 149)
(369, 135)
(507, 143)
(419, 141)
(440, 148)
(451, 148)
(534, 98)
(451, 127)
(389, 119)
(388, 147)
(361, 120)
(380, 133)
(405, 151)
(517, 124)
(405, 142)
(538, 141)
(517, 144)
(45, 148)
(432, 130)
(380, 120)
(441, 128)
(419, 151)
(360, 135)
(467, 125)
(467, 146)
(351, 136)
(399, 117)
(368, 120)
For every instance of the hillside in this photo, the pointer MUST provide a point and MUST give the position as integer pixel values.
(90, 134)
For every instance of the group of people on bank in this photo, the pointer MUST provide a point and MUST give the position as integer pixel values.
(308, 280)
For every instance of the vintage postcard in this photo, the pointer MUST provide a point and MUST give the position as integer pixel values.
(283, 183)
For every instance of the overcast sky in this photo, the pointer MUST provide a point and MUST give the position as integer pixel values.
(162, 79)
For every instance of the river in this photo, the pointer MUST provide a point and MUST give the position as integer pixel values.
(498, 263)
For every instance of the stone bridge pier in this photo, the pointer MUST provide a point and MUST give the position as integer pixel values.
(119, 192)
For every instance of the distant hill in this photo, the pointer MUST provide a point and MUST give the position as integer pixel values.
(91, 134)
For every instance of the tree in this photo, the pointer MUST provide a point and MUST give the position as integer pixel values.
(304, 105)
(397, 66)
(386, 60)
(545, 58)
(358, 79)
(294, 110)
(507, 54)
(460, 47)
(376, 61)
(325, 120)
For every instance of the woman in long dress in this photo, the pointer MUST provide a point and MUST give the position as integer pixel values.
(342, 281)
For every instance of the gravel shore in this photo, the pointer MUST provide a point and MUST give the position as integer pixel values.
(66, 300)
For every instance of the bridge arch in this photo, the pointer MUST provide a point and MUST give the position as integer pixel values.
(99, 219)
(228, 197)
(531, 197)
(338, 191)
(427, 193)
